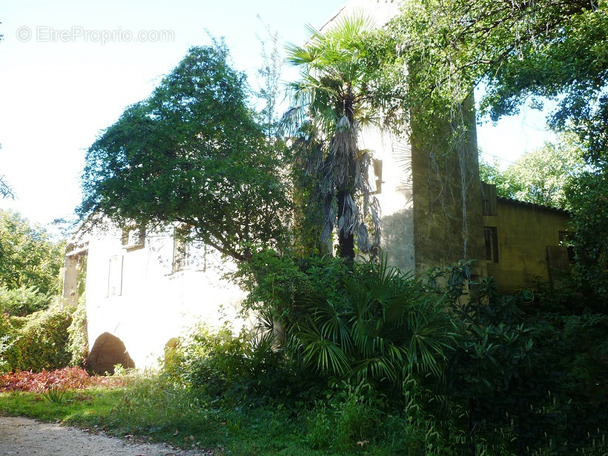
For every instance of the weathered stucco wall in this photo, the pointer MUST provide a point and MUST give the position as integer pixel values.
(135, 295)
(524, 231)
(447, 199)
(394, 193)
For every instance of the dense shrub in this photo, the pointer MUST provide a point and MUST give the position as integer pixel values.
(245, 367)
(38, 341)
(22, 301)
(351, 418)
(77, 344)
(384, 327)
(365, 320)
(7, 339)
(518, 381)
(588, 196)
(473, 370)
(281, 285)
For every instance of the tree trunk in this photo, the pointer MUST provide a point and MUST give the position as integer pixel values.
(346, 240)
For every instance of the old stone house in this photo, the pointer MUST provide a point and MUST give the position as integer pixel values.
(143, 289)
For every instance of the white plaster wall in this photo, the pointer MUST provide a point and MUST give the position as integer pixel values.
(156, 304)
(395, 198)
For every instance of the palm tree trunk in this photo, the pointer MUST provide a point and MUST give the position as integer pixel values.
(346, 239)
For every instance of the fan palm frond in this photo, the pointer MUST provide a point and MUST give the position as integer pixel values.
(325, 353)
(335, 90)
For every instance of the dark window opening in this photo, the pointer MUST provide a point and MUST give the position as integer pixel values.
(491, 238)
(566, 239)
(133, 238)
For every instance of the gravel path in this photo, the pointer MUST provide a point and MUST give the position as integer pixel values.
(27, 437)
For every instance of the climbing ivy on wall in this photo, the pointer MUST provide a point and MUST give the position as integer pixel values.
(518, 51)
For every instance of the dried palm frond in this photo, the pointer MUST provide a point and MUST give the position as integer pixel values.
(348, 220)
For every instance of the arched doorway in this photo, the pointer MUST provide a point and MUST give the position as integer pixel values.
(107, 352)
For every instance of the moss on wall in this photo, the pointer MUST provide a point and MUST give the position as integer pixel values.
(448, 223)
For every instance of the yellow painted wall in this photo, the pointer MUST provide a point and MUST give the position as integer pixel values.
(524, 231)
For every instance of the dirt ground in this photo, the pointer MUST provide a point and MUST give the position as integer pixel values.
(27, 437)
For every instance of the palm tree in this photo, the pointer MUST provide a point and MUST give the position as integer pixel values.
(333, 98)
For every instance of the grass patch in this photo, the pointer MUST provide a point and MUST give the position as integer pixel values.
(150, 407)
(84, 407)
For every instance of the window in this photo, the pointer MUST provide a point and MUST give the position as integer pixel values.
(565, 239)
(491, 237)
(133, 238)
(115, 276)
(187, 254)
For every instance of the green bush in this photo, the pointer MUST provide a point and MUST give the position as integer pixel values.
(282, 285)
(520, 379)
(351, 419)
(245, 367)
(453, 365)
(22, 301)
(38, 341)
(7, 340)
(362, 322)
(77, 344)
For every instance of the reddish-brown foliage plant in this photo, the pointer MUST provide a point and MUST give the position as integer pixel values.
(69, 378)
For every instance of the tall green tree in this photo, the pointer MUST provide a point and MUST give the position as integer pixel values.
(540, 176)
(589, 199)
(269, 81)
(29, 258)
(193, 154)
(333, 99)
(517, 49)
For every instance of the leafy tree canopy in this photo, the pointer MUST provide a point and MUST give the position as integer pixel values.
(518, 49)
(28, 257)
(540, 176)
(193, 154)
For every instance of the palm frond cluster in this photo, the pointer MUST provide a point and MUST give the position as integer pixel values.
(332, 100)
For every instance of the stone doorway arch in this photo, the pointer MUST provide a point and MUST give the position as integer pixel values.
(108, 351)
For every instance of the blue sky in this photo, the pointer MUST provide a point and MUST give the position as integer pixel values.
(68, 69)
